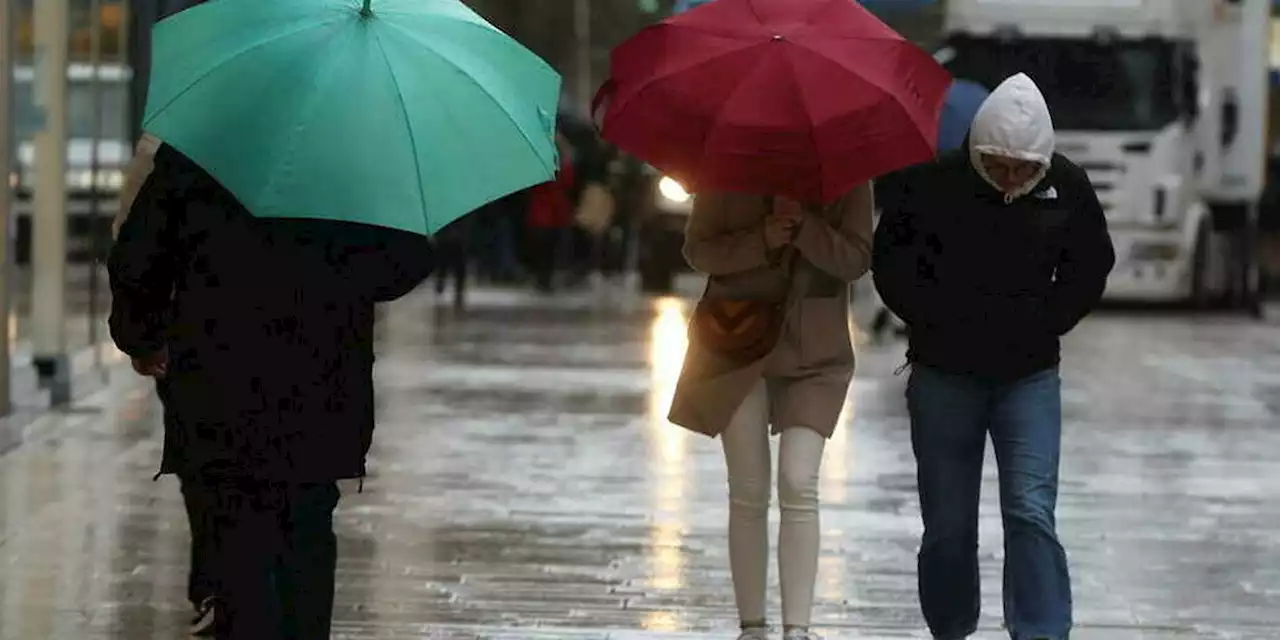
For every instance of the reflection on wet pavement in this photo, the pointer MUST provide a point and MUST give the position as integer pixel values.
(527, 486)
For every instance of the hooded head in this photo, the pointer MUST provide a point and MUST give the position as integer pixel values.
(1011, 142)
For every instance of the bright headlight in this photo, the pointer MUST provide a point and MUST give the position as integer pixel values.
(673, 191)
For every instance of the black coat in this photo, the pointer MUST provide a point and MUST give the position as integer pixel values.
(268, 323)
(989, 287)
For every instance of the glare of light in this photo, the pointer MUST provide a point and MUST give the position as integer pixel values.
(673, 191)
(668, 558)
(834, 490)
(668, 341)
(661, 621)
(835, 463)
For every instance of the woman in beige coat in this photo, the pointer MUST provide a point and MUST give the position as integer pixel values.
(808, 256)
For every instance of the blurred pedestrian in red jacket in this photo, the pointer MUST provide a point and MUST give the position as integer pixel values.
(549, 217)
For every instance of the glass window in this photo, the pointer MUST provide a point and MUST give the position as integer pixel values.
(113, 17)
(1089, 85)
(82, 116)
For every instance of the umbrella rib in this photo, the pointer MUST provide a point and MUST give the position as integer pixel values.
(249, 49)
(742, 82)
(654, 79)
(874, 85)
(813, 121)
(751, 5)
(492, 98)
(404, 111)
(288, 144)
(824, 56)
(730, 32)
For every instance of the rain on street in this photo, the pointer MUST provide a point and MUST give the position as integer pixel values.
(526, 485)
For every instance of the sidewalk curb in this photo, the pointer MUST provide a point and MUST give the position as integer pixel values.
(31, 403)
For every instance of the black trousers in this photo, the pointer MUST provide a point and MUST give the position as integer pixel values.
(198, 501)
(451, 264)
(268, 552)
(545, 246)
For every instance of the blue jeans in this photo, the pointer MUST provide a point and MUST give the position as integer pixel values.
(951, 416)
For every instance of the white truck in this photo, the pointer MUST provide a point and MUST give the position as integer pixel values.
(1164, 103)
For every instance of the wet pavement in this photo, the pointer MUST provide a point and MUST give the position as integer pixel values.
(526, 487)
(86, 339)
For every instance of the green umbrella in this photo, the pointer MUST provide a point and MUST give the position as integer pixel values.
(399, 113)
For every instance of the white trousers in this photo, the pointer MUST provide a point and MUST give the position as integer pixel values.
(747, 456)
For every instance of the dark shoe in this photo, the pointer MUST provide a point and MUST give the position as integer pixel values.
(204, 622)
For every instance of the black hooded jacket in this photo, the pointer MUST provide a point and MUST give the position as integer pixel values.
(988, 281)
(988, 287)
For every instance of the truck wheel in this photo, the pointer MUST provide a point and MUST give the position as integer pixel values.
(1250, 286)
(1200, 294)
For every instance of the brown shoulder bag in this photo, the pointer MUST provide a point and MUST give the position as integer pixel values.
(741, 331)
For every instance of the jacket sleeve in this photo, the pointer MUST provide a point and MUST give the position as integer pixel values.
(142, 264)
(1087, 258)
(140, 166)
(903, 276)
(844, 252)
(717, 253)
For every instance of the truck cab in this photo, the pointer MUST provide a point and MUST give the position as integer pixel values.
(1144, 94)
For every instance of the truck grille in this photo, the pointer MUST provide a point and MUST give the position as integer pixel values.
(1106, 179)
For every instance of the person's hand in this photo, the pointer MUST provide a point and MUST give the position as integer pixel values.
(155, 365)
(788, 208)
(779, 231)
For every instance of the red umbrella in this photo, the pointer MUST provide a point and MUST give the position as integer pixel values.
(800, 98)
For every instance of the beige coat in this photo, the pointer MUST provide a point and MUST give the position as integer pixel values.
(144, 156)
(809, 372)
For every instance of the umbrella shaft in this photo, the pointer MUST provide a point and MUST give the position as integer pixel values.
(367, 9)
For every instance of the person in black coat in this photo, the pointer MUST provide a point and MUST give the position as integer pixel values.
(453, 257)
(262, 333)
(991, 254)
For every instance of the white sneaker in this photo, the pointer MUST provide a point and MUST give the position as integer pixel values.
(205, 619)
(755, 633)
(799, 634)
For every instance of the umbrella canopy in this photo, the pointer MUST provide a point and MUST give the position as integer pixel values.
(398, 113)
(685, 5)
(961, 105)
(802, 98)
(874, 5)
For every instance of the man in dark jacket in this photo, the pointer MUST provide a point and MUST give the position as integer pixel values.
(262, 330)
(990, 255)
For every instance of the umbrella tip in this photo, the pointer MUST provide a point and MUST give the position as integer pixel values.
(367, 10)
